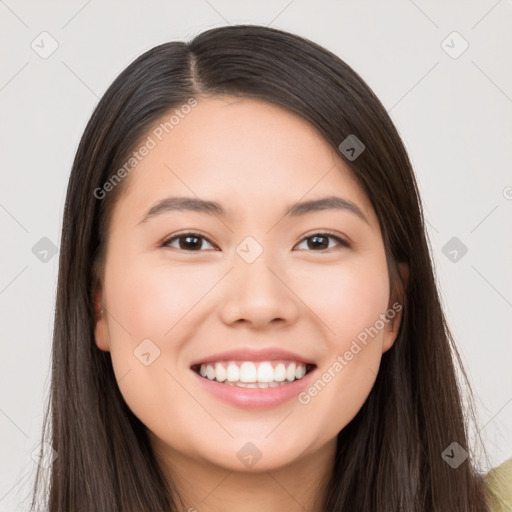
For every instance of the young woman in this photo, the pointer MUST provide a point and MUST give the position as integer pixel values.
(247, 317)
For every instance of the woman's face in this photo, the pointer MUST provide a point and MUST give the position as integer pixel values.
(251, 294)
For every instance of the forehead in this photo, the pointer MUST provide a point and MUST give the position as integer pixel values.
(244, 153)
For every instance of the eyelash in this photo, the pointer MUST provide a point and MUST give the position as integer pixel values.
(327, 234)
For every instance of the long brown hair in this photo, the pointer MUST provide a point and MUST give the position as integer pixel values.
(390, 456)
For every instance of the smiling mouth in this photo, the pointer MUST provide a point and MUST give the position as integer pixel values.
(249, 374)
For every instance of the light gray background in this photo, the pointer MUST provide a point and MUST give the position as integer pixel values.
(454, 115)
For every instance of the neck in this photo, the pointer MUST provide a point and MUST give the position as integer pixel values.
(204, 487)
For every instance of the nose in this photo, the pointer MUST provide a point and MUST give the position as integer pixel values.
(259, 295)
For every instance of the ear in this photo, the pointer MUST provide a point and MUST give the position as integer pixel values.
(100, 317)
(395, 310)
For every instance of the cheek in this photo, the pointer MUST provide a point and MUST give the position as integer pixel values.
(160, 302)
(145, 303)
(348, 299)
(349, 302)
(151, 299)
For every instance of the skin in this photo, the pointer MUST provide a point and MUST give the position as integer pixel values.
(255, 159)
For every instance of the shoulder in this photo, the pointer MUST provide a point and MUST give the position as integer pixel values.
(499, 484)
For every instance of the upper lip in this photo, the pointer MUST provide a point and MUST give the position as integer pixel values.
(249, 354)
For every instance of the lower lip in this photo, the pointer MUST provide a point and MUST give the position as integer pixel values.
(256, 398)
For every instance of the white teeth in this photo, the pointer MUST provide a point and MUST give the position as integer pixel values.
(280, 372)
(233, 372)
(300, 371)
(220, 373)
(290, 372)
(265, 372)
(210, 372)
(253, 375)
(248, 372)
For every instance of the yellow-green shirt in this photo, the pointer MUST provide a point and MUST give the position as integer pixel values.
(499, 484)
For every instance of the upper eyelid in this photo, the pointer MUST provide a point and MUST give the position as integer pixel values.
(179, 235)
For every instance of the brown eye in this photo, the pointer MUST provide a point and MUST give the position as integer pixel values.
(194, 242)
(187, 242)
(320, 241)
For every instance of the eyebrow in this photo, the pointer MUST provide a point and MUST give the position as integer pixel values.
(181, 204)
